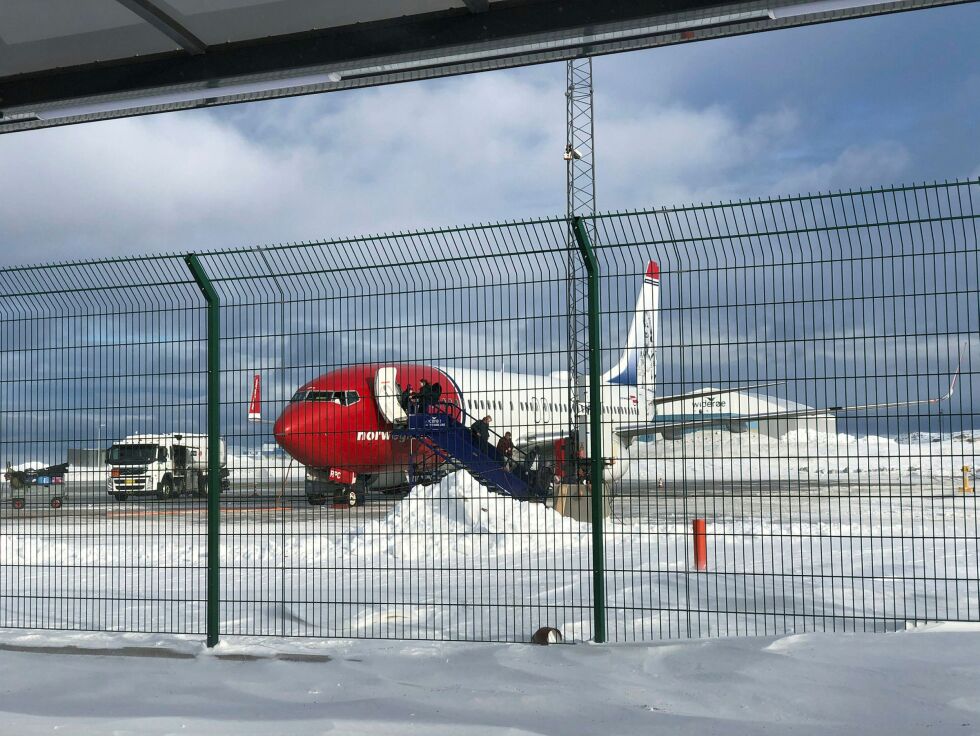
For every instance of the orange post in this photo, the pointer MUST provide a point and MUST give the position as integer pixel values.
(700, 545)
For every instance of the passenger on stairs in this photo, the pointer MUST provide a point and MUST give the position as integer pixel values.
(480, 429)
(506, 448)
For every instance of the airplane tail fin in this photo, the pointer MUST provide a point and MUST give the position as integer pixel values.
(255, 403)
(638, 364)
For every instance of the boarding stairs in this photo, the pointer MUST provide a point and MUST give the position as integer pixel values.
(452, 442)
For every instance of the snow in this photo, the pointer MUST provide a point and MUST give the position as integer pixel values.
(805, 455)
(454, 561)
(908, 682)
(261, 467)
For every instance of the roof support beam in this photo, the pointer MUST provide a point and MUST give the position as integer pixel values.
(166, 24)
(393, 50)
(477, 6)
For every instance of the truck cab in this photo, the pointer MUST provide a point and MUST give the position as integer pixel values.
(166, 466)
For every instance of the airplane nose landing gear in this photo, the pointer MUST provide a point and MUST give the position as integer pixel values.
(354, 497)
(343, 486)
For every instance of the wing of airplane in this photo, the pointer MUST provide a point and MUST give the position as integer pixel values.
(628, 432)
(702, 393)
(548, 436)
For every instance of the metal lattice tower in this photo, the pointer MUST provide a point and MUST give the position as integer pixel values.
(580, 185)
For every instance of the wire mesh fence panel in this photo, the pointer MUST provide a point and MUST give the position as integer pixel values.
(102, 376)
(805, 466)
(375, 359)
(783, 391)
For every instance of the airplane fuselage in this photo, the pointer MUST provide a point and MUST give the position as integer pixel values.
(335, 420)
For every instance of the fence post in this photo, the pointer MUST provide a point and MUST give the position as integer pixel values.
(595, 431)
(214, 447)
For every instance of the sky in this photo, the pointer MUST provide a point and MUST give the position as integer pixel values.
(872, 102)
(893, 99)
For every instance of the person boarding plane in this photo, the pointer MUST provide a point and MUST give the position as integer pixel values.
(344, 425)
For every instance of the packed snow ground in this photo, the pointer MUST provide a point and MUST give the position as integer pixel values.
(455, 561)
(922, 681)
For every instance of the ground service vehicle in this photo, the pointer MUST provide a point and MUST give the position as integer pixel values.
(165, 465)
(46, 484)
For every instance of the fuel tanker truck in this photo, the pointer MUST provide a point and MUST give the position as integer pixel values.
(162, 465)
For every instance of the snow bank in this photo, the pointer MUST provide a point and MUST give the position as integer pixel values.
(262, 468)
(833, 685)
(459, 518)
(805, 455)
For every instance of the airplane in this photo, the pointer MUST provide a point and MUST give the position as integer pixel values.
(343, 424)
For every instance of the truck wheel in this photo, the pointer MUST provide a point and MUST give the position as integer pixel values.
(17, 503)
(316, 500)
(355, 498)
(165, 490)
(120, 496)
(56, 503)
(202, 485)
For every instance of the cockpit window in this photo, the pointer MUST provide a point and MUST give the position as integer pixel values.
(298, 397)
(343, 398)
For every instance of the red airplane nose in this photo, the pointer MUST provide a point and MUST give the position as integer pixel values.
(282, 429)
(299, 433)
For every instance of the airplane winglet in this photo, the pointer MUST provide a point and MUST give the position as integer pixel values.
(956, 375)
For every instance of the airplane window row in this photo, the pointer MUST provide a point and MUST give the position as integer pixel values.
(491, 405)
(344, 398)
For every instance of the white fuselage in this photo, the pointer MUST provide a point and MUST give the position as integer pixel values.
(534, 406)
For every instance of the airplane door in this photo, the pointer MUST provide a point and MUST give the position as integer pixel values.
(535, 410)
(389, 395)
(545, 410)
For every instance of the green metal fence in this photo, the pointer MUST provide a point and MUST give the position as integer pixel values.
(236, 443)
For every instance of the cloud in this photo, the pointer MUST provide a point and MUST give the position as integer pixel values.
(882, 162)
(369, 161)
(671, 153)
(469, 149)
(161, 183)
